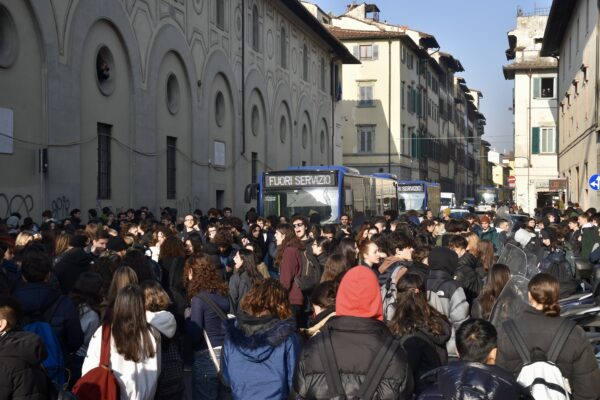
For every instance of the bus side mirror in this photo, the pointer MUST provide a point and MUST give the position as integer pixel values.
(250, 193)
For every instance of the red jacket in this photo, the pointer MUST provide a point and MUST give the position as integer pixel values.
(290, 268)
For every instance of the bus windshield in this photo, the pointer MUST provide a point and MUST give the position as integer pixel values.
(487, 196)
(321, 203)
(411, 201)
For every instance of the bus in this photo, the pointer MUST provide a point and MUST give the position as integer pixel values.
(485, 196)
(324, 193)
(419, 195)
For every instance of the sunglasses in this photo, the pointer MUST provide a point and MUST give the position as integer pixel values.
(298, 225)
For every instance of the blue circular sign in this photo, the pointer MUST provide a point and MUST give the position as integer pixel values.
(594, 182)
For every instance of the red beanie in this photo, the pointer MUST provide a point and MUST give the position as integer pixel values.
(359, 295)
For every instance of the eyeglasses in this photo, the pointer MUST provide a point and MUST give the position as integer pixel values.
(298, 225)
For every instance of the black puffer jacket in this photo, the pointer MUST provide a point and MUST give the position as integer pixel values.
(472, 381)
(576, 361)
(21, 373)
(356, 342)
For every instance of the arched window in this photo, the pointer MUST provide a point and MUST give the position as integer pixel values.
(305, 62)
(255, 28)
(283, 60)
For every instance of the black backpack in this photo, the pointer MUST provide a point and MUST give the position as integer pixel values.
(373, 376)
(310, 273)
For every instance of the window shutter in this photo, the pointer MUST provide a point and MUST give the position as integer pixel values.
(355, 52)
(535, 140)
(537, 88)
(375, 51)
(414, 146)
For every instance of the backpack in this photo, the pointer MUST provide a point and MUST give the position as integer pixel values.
(542, 378)
(170, 380)
(99, 383)
(40, 324)
(373, 376)
(310, 274)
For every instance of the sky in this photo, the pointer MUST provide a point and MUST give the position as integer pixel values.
(475, 32)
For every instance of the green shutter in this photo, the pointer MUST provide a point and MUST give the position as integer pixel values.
(414, 146)
(535, 140)
(537, 88)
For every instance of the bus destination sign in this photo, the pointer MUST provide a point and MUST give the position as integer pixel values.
(300, 180)
(410, 188)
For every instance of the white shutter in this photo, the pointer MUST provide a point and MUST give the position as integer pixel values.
(375, 52)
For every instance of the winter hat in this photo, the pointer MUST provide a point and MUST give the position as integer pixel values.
(443, 259)
(359, 295)
(116, 244)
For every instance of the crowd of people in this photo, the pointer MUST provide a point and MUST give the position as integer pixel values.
(396, 307)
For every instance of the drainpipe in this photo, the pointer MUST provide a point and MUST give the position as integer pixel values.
(389, 106)
(333, 99)
(243, 78)
(530, 83)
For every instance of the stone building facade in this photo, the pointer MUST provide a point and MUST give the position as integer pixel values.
(178, 103)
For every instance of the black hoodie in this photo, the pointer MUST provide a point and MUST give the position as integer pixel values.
(21, 373)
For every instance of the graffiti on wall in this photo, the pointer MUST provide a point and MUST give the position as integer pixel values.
(17, 203)
(61, 206)
(187, 204)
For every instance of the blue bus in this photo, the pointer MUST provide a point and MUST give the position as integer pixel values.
(324, 193)
(419, 195)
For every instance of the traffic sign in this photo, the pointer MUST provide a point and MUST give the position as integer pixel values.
(511, 181)
(594, 182)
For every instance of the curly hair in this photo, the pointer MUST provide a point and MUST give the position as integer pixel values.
(172, 247)
(268, 297)
(204, 276)
(223, 238)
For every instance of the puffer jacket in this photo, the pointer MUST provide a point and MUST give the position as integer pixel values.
(576, 361)
(259, 356)
(21, 373)
(472, 381)
(356, 342)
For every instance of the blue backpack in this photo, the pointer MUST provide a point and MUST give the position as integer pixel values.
(40, 324)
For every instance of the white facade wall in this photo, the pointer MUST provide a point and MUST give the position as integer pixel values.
(534, 115)
(578, 110)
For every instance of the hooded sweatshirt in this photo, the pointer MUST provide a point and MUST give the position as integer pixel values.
(359, 295)
(259, 356)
